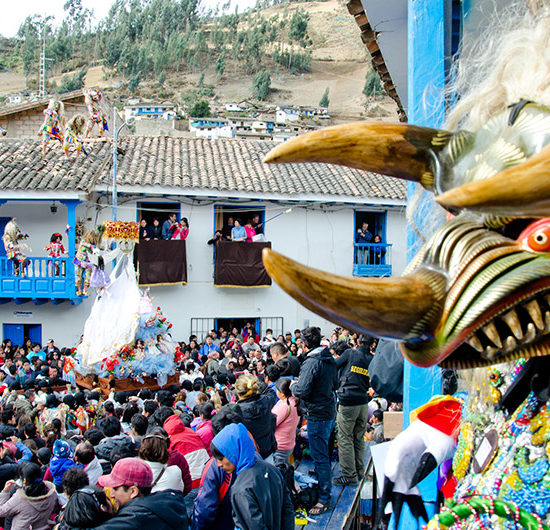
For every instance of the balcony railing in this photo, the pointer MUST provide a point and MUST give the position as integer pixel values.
(41, 280)
(372, 259)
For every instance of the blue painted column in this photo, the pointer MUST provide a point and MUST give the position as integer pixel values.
(71, 205)
(426, 83)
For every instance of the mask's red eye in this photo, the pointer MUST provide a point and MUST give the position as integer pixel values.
(539, 241)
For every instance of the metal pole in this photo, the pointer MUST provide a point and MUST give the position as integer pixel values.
(115, 141)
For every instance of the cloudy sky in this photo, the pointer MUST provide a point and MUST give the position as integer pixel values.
(12, 17)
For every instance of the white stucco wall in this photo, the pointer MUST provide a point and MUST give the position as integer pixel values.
(321, 238)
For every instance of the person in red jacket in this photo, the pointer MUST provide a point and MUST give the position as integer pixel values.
(189, 444)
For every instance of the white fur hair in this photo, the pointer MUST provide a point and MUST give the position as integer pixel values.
(11, 231)
(510, 62)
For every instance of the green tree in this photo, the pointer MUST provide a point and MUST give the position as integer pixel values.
(297, 31)
(220, 64)
(133, 85)
(373, 85)
(76, 82)
(324, 100)
(161, 78)
(201, 109)
(261, 85)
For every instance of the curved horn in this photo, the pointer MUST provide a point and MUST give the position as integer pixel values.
(396, 150)
(387, 307)
(520, 191)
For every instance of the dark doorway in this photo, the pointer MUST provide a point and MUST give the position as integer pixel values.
(240, 323)
(17, 333)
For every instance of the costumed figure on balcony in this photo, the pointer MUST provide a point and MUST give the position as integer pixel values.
(95, 113)
(84, 262)
(13, 244)
(125, 336)
(477, 295)
(55, 249)
(73, 135)
(54, 123)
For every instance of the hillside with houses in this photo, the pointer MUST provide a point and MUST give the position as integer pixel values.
(310, 51)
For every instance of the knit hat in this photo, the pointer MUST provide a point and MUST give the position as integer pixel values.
(61, 449)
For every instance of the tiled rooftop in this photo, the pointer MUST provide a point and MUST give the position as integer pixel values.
(190, 163)
(22, 166)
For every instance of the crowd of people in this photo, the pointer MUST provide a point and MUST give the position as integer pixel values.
(214, 451)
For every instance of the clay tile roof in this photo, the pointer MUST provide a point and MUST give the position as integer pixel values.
(201, 163)
(185, 163)
(22, 166)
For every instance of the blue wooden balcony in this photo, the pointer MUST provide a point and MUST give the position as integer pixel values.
(42, 280)
(372, 259)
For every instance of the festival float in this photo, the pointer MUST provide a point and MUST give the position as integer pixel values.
(476, 298)
(126, 338)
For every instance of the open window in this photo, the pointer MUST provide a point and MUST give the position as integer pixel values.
(371, 250)
(159, 261)
(225, 216)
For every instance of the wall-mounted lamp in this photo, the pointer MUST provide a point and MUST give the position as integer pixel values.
(53, 207)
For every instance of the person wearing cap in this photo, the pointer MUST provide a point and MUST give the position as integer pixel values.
(259, 496)
(131, 481)
(353, 409)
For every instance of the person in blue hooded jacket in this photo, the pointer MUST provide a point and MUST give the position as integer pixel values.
(259, 496)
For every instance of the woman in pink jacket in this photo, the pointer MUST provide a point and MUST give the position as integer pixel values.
(206, 410)
(182, 229)
(287, 421)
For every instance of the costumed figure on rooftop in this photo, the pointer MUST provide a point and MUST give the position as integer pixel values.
(95, 113)
(477, 295)
(73, 135)
(125, 336)
(14, 246)
(53, 125)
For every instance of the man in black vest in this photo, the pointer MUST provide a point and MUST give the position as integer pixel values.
(352, 415)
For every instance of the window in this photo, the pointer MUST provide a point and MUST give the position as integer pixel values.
(201, 327)
(371, 256)
(243, 213)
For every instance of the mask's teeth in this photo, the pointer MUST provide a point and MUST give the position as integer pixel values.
(534, 312)
(512, 321)
(531, 333)
(491, 331)
(510, 344)
(547, 320)
(475, 343)
(489, 353)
